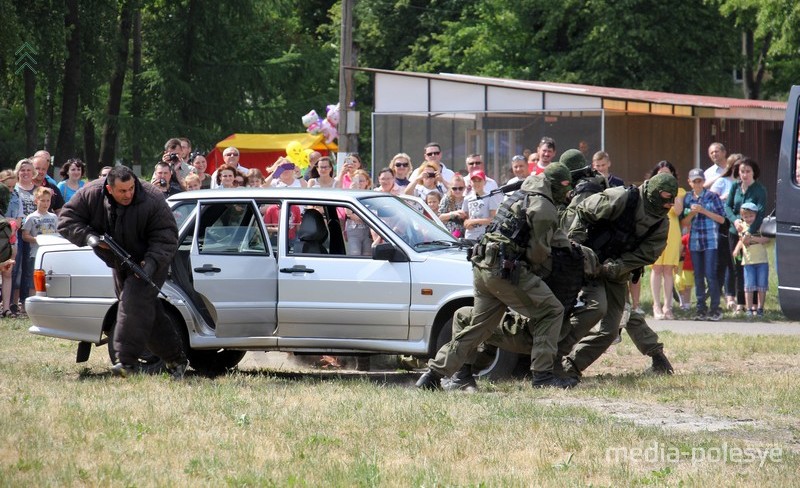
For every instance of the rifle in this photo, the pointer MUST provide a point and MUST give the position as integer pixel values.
(504, 189)
(125, 258)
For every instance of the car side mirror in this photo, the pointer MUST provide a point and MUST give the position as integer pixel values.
(385, 251)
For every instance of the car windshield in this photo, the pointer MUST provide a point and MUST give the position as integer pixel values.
(416, 230)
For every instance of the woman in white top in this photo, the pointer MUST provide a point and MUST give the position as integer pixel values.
(282, 175)
(386, 182)
(402, 167)
(322, 174)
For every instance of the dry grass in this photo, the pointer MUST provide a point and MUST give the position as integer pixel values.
(64, 424)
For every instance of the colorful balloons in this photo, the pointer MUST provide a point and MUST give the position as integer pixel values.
(327, 127)
(294, 153)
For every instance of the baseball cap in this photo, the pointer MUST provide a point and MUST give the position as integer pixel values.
(749, 206)
(478, 173)
(697, 173)
(284, 167)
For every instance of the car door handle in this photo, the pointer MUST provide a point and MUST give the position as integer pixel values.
(297, 269)
(207, 268)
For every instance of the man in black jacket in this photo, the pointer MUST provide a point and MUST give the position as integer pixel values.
(137, 217)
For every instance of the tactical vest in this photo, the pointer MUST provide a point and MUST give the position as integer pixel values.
(512, 222)
(609, 239)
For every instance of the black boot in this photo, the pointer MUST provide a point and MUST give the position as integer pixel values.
(661, 364)
(462, 380)
(430, 380)
(544, 379)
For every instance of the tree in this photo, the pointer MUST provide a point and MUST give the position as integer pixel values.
(65, 148)
(108, 145)
(770, 31)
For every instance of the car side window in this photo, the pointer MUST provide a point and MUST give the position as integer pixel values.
(332, 230)
(230, 228)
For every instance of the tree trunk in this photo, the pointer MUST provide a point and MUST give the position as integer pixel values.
(31, 135)
(65, 148)
(90, 148)
(108, 145)
(136, 87)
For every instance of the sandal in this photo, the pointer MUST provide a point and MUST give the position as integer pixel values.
(8, 314)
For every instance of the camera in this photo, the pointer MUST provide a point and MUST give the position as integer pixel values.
(173, 158)
(162, 183)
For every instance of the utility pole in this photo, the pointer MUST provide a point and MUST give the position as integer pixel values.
(347, 142)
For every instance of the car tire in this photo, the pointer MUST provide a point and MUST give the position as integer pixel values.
(501, 367)
(214, 362)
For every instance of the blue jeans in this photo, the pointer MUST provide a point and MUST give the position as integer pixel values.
(705, 271)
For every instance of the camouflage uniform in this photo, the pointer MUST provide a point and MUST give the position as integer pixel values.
(523, 290)
(609, 205)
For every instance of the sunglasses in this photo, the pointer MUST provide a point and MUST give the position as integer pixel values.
(401, 165)
(230, 154)
(433, 153)
(457, 188)
(474, 163)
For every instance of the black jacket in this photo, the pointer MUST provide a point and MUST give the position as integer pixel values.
(146, 228)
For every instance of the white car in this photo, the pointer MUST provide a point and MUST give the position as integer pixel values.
(268, 270)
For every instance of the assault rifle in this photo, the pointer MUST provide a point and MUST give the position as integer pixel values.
(124, 257)
(509, 187)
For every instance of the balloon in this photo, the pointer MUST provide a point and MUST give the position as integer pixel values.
(294, 152)
(304, 159)
(329, 131)
(315, 127)
(332, 115)
(310, 118)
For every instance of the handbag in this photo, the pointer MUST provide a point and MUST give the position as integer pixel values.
(769, 226)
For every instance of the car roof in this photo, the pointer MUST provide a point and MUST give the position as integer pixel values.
(277, 193)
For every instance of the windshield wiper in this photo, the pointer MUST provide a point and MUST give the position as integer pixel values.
(440, 242)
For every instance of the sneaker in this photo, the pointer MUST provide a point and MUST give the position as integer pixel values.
(661, 364)
(123, 370)
(639, 310)
(177, 370)
(547, 379)
(462, 380)
(750, 314)
(715, 316)
(760, 313)
(430, 380)
(700, 315)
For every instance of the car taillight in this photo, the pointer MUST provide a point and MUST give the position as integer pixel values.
(39, 280)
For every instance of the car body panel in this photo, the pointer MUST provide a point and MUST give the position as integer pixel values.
(788, 211)
(234, 294)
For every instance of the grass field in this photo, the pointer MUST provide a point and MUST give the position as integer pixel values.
(729, 417)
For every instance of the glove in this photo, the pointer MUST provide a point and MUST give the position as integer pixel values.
(591, 265)
(611, 269)
(93, 241)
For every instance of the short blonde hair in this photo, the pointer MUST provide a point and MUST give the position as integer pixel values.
(41, 190)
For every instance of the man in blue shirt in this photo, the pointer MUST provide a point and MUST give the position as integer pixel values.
(703, 210)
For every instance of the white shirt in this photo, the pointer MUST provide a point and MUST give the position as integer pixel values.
(239, 169)
(713, 172)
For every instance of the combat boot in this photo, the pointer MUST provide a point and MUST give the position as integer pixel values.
(661, 364)
(461, 380)
(545, 379)
(123, 370)
(177, 370)
(430, 380)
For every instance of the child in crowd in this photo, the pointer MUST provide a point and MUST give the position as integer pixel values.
(684, 280)
(434, 199)
(192, 182)
(479, 211)
(752, 247)
(703, 211)
(39, 222)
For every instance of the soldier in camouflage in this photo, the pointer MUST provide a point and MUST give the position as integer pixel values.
(509, 264)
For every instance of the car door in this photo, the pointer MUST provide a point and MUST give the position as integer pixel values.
(233, 268)
(788, 210)
(325, 293)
